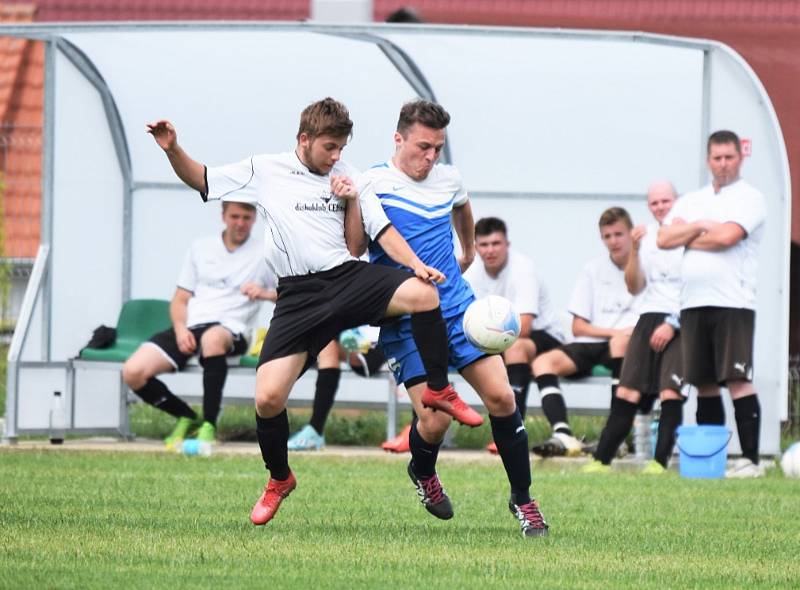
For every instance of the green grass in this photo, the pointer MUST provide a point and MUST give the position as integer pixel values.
(128, 520)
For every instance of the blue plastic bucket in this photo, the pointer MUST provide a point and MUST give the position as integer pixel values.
(703, 450)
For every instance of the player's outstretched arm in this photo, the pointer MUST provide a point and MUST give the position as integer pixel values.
(190, 172)
(398, 250)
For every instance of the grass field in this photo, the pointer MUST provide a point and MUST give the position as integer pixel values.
(135, 520)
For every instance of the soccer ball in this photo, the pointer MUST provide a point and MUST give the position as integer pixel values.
(790, 462)
(491, 324)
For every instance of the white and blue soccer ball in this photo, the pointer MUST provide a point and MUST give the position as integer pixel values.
(790, 461)
(491, 324)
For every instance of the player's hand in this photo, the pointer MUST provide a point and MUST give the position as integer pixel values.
(164, 134)
(252, 291)
(637, 233)
(186, 342)
(428, 273)
(661, 337)
(343, 187)
(465, 260)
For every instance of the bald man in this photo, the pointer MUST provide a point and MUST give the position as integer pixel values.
(652, 360)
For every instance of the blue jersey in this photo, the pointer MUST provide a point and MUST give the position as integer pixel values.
(420, 211)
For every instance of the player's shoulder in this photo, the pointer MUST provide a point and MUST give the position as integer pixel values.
(376, 171)
(206, 244)
(446, 173)
(746, 189)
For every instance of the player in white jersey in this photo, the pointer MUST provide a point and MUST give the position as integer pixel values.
(653, 357)
(219, 287)
(315, 221)
(510, 274)
(425, 201)
(721, 226)
(604, 314)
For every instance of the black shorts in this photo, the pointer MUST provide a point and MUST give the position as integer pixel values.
(544, 341)
(645, 370)
(313, 309)
(717, 344)
(168, 344)
(586, 355)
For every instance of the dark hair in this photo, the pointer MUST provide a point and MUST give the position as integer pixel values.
(406, 14)
(248, 206)
(721, 137)
(325, 117)
(613, 215)
(489, 225)
(425, 112)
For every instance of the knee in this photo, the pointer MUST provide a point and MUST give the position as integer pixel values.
(500, 403)
(629, 395)
(214, 345)
(541, 365)
(268, 404)
(425, 298)
(432, 425)
(617, 346)
(134, 376)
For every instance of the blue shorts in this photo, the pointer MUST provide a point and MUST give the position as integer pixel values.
(401, 350)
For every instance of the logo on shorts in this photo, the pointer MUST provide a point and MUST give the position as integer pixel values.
(744, 369)
(393, 365)
(676, 379)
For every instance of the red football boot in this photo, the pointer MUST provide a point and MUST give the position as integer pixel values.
(400, 443)
(269, 502)
(448, 401)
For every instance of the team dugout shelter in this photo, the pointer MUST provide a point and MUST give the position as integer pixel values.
(549, 128)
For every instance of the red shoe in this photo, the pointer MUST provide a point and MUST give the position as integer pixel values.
(399, 444)
(269, 502)
(492, 448)
(448, 401)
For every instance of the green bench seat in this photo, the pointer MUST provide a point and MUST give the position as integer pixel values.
(138, 320)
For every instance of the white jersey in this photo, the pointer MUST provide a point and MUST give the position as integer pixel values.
(518, 282)
(726, 278)
(662, 271)
(305, 222)
(602, 298)
(215, 276)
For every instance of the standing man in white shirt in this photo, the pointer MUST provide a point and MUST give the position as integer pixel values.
(316, 221)
(604, 313)
(504, 271)
(653, 357)
(224, 276)
(721, 226)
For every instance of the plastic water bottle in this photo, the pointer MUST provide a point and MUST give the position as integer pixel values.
(642, 433)
(58, 420)
(192, 447)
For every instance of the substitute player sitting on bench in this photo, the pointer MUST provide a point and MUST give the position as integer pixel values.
(224, 276)
(604, 313)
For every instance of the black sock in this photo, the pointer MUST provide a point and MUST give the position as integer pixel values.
(710, 410)
(273, 434)
(215, 371)
(423, 453)
(619, 424)
(748, 424)
(158, 395)
(616, 370)
(430, 336)
(327, 384)
(519, 376)
(512, 446)
(671, 417)
(553, 406)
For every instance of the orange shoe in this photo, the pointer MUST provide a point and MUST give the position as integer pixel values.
(448, 401)
(269, 502)
(400, 443)
(492, 448)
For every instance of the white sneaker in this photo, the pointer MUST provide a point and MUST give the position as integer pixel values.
(572, 446)
(742, 468)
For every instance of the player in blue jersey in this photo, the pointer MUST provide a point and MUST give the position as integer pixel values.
(420, 198)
